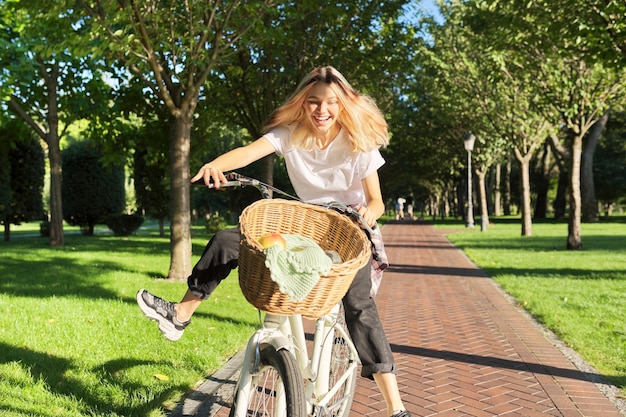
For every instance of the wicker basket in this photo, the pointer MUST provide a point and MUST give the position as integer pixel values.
(331, 230)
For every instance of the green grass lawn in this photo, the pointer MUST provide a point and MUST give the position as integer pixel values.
(74, 343)
(579, 295)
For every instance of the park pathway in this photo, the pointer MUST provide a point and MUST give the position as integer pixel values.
(462, 346)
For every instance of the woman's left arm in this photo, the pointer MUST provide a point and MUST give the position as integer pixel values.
(375, 207)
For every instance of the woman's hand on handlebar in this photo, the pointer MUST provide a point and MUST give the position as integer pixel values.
(368, 216)
(210, 175)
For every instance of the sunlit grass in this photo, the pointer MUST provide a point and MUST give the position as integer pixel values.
(74, 343)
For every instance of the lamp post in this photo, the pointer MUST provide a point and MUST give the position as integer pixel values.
(468, 141)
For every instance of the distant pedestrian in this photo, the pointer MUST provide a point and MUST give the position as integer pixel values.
(409, 207)
(400, 208)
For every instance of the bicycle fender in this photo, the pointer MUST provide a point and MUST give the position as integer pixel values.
(260, 339)
(275, 338)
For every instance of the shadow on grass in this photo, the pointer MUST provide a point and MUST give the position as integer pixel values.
(591, 242)
(517, 220)
(56, 373)
(57, 273)
(54, 276)
(30, 267)
(137, 244)
(571, 273)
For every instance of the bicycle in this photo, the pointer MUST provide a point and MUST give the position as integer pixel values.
(280, 375)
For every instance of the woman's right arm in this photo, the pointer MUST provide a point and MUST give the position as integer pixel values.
(237, 158)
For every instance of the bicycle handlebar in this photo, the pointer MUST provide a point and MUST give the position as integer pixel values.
(237, 180)
(233, 180)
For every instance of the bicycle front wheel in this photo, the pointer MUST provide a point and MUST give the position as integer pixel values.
(343, 371)
(276, 390)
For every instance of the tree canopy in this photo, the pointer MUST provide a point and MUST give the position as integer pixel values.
(168, 84)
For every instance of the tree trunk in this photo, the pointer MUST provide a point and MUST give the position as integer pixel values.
(525, 204)
(527, 222)
(561, 156)
(482, 191)
(51, 138)
(497, 194)
(507, 188)
(587, 190)
(431, 206)
(447, 207)
(180, 205)
(56, 201)
(461, 196)
(574, 241)
(56, 163)
(542, 183)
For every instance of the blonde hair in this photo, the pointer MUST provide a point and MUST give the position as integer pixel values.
(360, 116)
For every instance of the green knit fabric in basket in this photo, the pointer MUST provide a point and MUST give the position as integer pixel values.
(297, 268)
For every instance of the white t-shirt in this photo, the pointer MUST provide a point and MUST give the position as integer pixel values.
(332, 174)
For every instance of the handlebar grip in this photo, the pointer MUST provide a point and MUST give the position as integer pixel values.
(233, 180)
(222, 185)
(227, 184)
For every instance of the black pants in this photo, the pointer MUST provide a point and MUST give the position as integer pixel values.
(220, 257)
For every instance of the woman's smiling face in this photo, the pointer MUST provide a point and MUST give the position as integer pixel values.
(322, 107)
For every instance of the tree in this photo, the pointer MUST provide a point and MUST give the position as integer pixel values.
(429, 121)
(501, 91)
(484, 87)
(566, 72)
(581, 93)
(44, 82)
(527, 128)
(597, 31)
(25, 165)
(172, 48)
(91, 191)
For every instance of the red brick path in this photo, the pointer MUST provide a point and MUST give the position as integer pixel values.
(461, 346)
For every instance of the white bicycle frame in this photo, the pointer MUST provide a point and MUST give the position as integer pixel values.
(287, 332)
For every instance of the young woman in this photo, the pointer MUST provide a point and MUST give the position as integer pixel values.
(329, 136)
